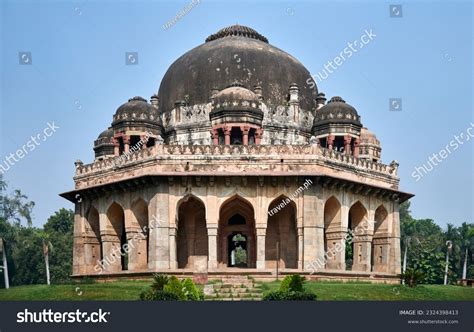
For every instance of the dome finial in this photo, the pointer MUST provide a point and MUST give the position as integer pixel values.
(237, 31)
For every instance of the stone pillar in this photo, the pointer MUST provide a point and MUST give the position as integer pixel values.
(159, 243)
(173, 232)
(78, 259)
(356, 147)
(212, 246)
(215, 136)
(299, 233)
(313, 229)
(347, 144)
(380, 254)
(394, 254)
(116, 146)
(261, 232)
(111, 251)
(335, 249)
(126, 143)
(258, 136)
(227, 131)
(362, 253)
(245, 135)
(330, 141)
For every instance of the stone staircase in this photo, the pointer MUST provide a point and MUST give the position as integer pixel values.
(233, 288)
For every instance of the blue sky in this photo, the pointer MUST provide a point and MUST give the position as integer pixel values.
(78, 78)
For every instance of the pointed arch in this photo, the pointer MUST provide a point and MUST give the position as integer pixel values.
(358, 252)
(281, 229)
(192, 237)
(332, 225)
(236, 208)
(93, 243)
(116, 218)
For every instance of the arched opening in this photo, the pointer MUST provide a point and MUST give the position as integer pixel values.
(236, 136)
(332, 225)
(192, 240)
(379, 246)
(237, 250)
(236, 222)
(356, 253)
(93, 244)
(281, 239)
(141, 240)
(115, 215)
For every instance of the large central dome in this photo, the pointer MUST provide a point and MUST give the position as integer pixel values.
(235, 54)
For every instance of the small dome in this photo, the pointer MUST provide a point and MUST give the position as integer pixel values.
(236, 93)
(136, 109)
(337, 111)
(108, 133)
(368, 137)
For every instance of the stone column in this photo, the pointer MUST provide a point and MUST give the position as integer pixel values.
(380, 250)
(258, 135)
(335, 250)
(362, 253)
(347, 144)
(173, 232)
(116, 146)
(330, 141)
(215, 136)
(245, 135)
(299, 233)
(78, 259)
(356, 147)
(111, 251)
(212, 246)
(227, 131)
(394, 254)
(159, 243)
(261, 232)
(126, 143)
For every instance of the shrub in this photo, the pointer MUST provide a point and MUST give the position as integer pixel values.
(293, 283)
(157, 295)
(174, 286)
(412, 277)
(190, 290)
(289, 296)
(165, 288)
(159, 281)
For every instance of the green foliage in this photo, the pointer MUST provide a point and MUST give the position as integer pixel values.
(174, 286)
(426, 244)
(293, 283)
(289, 296)
(157, 295)
(413, 277)
(191, 291)
(291, 289)
(159, 281)
(24, 243)
(164, 285)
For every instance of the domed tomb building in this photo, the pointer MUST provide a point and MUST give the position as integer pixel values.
(237, 165)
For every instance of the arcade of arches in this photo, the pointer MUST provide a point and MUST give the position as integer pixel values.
(197, 233)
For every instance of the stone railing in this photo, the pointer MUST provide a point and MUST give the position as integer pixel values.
(288, 152)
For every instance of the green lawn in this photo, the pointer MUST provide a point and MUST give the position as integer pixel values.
(130, 290)
(119, 290)
(330, 291)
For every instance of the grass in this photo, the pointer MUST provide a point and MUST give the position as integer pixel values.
(353, 291)
(130, 290)
(119, 290)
